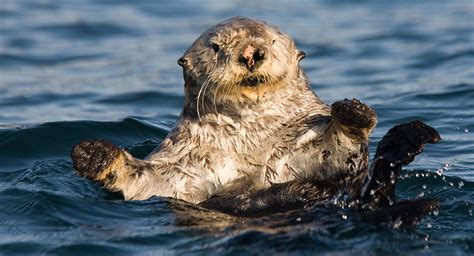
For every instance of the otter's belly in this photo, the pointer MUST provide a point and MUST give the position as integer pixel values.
(235, 175)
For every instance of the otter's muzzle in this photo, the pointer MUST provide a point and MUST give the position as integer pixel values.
(251, 57)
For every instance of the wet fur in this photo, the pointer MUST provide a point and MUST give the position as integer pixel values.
(232, 135)
(243, 132)
(370, 194)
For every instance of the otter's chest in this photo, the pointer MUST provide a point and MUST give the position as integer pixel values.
(318, 156)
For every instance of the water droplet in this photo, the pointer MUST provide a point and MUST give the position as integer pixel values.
(435, 213)
(392, 165)
(461, 184)
(298, 219)
(390, 201)
(428, 226)
(344, 217)
(417, 175)
(424, 186)
(466, 130)
(447, 166)
(422, 194)
(398, 223)
(372, 192)
(439, 172)
(470, 212)
(451, 184)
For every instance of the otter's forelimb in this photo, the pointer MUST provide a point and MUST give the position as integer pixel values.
(114, 168)
(136, 179)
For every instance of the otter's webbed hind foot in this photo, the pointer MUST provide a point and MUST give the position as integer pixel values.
(398, 147)
(406, 213)
(404, 141)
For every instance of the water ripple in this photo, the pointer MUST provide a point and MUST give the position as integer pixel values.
(87, 30)
(32, 140)
(15, 60)
(437, 58)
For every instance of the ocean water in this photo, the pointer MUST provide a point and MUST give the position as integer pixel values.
(74, 70)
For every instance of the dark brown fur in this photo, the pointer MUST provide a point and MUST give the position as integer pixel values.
(91, 157)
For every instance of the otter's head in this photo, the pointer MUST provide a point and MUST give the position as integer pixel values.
(239, 60)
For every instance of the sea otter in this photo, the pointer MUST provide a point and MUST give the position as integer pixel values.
(250, 125)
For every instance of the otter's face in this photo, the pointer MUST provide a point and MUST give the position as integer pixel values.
(239, 58)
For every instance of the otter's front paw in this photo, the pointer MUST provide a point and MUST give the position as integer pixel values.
(354, 117)
(93, 159)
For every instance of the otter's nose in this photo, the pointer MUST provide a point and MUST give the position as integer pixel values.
(252, 56)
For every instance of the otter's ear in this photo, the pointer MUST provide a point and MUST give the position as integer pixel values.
(300, 55)
(183, 62)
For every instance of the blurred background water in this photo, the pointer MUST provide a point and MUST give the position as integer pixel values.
(74, 70)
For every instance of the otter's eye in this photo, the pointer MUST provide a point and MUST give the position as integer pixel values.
(274, 41)
(215, 47)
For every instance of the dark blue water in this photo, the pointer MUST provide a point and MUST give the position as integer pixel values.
(74, 70)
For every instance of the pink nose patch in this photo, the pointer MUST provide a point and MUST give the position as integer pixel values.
(248, 52)
(248, 55)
